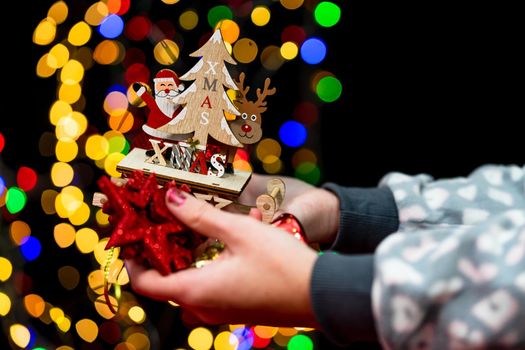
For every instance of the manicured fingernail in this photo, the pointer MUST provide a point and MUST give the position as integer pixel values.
(176, 197)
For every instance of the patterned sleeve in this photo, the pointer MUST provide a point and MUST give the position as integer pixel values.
(454, 278)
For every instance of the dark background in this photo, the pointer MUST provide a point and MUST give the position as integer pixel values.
(433, 87)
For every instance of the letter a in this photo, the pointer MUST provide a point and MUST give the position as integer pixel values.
(206, 102)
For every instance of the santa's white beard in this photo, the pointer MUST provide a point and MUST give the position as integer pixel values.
(166, 105)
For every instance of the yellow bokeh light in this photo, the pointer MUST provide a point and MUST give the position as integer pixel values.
(58, 56)
(64, 235)
(97, 147)
(103, 308)
(45, 32)
(137, 314)
(47, 201)
(170, 2)
(189, 19)
(260, 16)
(139, 341)
(86, 239)
(43, 70)
(122, 123)
(56, 313)
(102, 218)
(70, 127)
(106, 52)
(226, 341)
(34, 305)
(96, 13)
(245, 50)
(229, 30)
(96, 281)
(87, 330)
(114, 269)
(5, 304)
(110, 164)
(18, 231)
(281, 340)
(303, 155)
(20, 335)
(289, 50)
(166, 52)
(291, 4)
(200, 339)
(233, 327)
(101, 254)
(272, 164)
(72, 73)
(63, 323)
(81, 215)
(123, 277)
(242, 165)
(5, 269)
(58, 11)
(268, 147)
(69, 93)
(265, 332)
(58, 110)
(79, 34)
(64, 347)
(66, 151)
(271, 58)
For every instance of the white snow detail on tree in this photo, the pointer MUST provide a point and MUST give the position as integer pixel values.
(229, 81)
(226, 127)
(231, 107)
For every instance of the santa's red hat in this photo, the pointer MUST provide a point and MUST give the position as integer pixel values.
(166, 75)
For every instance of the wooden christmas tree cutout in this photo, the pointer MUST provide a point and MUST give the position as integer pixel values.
(205, 100)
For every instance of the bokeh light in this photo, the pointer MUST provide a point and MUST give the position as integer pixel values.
(5, 304)
(18, 230)
(26, 178)
(219, 13)
(245, 50)
(200, 339)
(294, 34)
(289, 50)
(107, 52)
(300, 342)
(57, 57)
(79, 34)
(313, 50)
(111, 26)
(308, 172)
(86, 239)
(166, 52)
(327, 14)
(87, 330)
(30, 248)
(66, 151)
(138, 28)
(20, 335)
(229, 30)
(68, 277)
(260, 16)
(16, 200)
(34, 304)
(137, 314)
(58, 11)
(72, 73)
(292, 133)
(292, 4)
(225, 341)
(96, 13)
(45, 32)
(5, 269)
(189, 19)
(329, 89)
(69, 93)
(64, 235)
(271, 58)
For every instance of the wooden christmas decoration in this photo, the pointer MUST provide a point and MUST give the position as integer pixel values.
(270, 202)
(205, 100)
(247, 126)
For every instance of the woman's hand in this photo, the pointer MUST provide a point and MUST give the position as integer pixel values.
(315, 208)
(262, 276)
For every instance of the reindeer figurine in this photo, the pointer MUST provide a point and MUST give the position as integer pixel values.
(247, 126)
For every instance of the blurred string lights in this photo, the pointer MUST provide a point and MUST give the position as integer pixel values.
(105, 35)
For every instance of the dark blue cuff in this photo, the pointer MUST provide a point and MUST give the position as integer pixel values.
(341, 297)
(367, 216)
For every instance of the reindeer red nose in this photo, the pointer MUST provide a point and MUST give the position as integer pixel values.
(246, 128)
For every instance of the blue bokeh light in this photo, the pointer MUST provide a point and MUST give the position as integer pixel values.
(292, 133)
(245, 337)
(30, 248)
(2, 186)
(117, 87)
(111, 26)
(313, 50)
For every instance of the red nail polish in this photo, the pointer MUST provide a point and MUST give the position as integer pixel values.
(176, 197)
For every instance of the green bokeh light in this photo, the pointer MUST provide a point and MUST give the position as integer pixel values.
(300, 342)
(219, 13)
(15, 200)
(308, 172)
(327, 14)
(329, 89)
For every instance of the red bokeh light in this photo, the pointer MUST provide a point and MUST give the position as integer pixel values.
(26, 178)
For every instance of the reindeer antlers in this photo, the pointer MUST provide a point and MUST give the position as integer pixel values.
(240, 85)
(266, 92)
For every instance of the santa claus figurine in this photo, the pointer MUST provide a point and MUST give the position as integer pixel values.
(161, 108)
